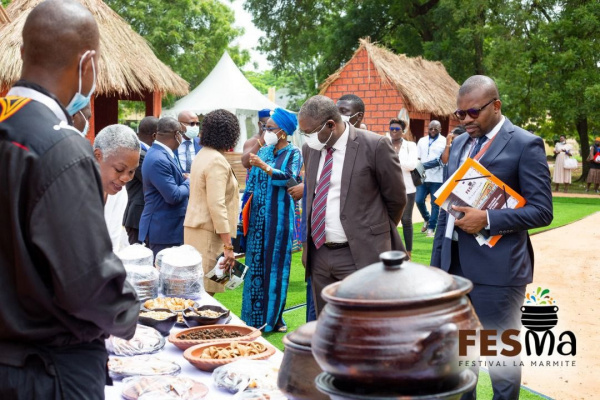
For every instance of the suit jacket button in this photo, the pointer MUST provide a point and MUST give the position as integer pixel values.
(342, 217)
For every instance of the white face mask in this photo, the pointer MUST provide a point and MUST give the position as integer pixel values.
(313, 141)
(271, 137)
(192, 131)
(346, 118)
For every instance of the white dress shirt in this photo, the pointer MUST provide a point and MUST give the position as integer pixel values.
(408, 162)
(431, 149)
(113, 216)
(334, 231)
(181, 153)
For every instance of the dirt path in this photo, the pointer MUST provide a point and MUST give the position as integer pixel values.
(567, 261)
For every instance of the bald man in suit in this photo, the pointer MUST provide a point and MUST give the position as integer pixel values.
(355, 195)
(499, 274)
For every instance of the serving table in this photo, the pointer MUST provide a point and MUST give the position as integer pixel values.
(172, 353)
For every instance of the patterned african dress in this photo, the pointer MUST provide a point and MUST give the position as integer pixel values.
(269, 239)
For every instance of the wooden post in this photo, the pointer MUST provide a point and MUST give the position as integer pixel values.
(91, 135)
(154, 103)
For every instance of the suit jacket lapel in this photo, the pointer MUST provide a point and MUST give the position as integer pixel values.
(456, 160)
(500, 141)
(313, 166)
(349, 158)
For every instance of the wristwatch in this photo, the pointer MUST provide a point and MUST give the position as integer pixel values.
(268, 169)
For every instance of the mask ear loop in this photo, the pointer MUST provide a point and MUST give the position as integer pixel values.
(80, 112)
(80, 68)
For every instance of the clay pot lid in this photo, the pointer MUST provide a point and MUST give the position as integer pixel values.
(395, 278)
(303, 335)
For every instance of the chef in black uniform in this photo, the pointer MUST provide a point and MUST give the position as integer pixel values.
(63, 289)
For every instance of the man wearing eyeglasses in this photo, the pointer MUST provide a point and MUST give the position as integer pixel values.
(355, 195)
(500, 273)
(429, 151)
(190, 146)
(166, 189)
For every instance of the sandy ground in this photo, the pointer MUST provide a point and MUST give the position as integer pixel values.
(567, 261)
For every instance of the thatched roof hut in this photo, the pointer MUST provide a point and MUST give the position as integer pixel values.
(388, 82)
(128, 68)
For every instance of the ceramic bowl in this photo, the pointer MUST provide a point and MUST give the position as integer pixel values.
(193, 320)
(247, 334)
(162, 325)
(192, 355)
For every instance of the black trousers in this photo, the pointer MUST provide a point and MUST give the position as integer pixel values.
(133, 235)
(498, 308)
(73, 372)
(328, 266)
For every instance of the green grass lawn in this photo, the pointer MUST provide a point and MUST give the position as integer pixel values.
(566, 210)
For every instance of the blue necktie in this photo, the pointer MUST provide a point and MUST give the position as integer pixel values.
(188, 156)
(478, 145)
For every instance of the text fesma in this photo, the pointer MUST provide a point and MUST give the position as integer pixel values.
(515, 363)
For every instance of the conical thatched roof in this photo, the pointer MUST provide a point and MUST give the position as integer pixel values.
(127, 65)
(424, 84)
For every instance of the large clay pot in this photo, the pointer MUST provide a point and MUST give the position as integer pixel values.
(298, 368)
(395, 324)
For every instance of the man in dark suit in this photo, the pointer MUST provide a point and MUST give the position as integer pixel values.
(135, 188)
(166, 189)
(499, 274)
(354, 195)
(190, 146)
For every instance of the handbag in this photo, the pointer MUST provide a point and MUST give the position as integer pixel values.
(570, 163)
(418, 175)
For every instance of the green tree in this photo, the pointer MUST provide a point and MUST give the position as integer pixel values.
(190, 36)
(546, 56)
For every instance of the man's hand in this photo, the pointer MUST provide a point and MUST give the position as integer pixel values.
(304, 251)
(473, 221)
(296, 191)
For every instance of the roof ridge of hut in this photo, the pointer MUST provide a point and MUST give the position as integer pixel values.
(127, 62)
(425, 84)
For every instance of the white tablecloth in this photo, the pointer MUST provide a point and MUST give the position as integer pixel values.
(172, 353)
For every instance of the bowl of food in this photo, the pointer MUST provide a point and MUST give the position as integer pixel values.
(211, 334)
(176, 304)
(161, 319)
(209, 356)
(205, 315)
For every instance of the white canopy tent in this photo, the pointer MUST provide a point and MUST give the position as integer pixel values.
(226, 87)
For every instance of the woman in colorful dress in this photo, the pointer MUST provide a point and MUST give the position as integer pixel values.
(271, 224)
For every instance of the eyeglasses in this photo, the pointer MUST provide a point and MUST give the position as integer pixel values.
(392, 129)
(192, 123)
(473, 112)
(271, 129)
(315, 131)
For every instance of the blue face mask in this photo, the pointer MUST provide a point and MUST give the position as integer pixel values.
(79, 101)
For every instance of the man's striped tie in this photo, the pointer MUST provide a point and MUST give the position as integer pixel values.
(320, 201)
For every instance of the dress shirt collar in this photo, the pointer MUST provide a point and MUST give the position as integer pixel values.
(490, 135)
(342, 142)
(165, 147)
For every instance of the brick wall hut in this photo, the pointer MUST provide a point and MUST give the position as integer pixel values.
(389, 82)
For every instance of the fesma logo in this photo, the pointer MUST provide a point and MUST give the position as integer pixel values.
(539, 316)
